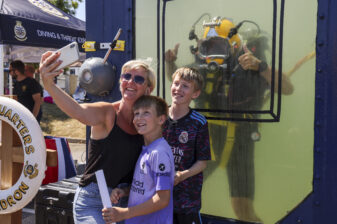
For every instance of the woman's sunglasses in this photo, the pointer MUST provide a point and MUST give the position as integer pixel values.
(137, 78)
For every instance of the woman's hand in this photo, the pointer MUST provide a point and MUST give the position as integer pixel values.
(48, 64)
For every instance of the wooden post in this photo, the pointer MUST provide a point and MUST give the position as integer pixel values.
(11, 156)
(10, 170)
(12, 159)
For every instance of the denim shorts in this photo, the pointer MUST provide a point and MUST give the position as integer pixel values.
(87, 208)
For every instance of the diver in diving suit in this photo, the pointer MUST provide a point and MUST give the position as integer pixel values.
(236, 80)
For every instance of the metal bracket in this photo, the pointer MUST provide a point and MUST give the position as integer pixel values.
(95, 46)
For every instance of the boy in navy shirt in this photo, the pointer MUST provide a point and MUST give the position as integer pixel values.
(150, 194)
(186, 131)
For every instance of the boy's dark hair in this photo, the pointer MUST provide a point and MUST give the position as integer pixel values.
(147, 101)
(18, 65)
(190, 74)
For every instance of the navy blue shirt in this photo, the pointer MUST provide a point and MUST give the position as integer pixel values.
(189, 141)
(25, 90)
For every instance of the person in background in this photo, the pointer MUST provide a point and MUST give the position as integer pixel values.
(28, 90)
(30, 72)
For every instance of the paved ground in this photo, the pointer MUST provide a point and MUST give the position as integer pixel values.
(78, 153)
(28, 215)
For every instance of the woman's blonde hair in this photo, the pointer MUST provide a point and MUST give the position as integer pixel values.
(145, 64)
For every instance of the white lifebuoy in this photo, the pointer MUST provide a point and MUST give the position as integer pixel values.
(34, 149)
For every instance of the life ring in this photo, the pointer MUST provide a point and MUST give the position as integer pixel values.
(34, 149)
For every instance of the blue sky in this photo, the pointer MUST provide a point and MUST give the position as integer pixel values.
(80, 12)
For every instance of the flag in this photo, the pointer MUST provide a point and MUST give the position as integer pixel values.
(65, 164)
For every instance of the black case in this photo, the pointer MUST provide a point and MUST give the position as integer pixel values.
(54, 202)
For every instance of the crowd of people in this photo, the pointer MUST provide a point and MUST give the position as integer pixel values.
(153, 156)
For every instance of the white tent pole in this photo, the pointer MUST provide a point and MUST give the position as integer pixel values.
(2, 78)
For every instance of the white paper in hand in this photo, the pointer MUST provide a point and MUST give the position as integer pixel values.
(103, 189)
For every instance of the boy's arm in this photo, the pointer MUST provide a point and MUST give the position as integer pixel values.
(197, 167)
(158, 201)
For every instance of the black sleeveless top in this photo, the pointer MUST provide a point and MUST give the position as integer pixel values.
(117, 155)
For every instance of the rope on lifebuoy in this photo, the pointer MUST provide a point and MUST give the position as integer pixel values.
(34, 149)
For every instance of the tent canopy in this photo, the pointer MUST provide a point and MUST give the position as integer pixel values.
(28, 54)
(38, 23)
(34, 23)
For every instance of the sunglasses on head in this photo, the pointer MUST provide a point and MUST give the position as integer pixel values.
(137, 78)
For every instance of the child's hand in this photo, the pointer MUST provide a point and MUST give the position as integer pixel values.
(178, 178)
(116, 194)
(114, 214)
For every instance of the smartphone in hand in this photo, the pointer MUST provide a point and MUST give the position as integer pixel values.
(69, 55)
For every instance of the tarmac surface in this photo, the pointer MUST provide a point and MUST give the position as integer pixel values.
(78, 152)
(77, 149)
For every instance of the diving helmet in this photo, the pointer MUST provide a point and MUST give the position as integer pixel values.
(219, 43)
(222, 27)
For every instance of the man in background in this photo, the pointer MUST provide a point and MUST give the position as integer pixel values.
(28, 90)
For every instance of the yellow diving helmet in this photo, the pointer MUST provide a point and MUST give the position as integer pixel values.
(221, 27)
(218, 30)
